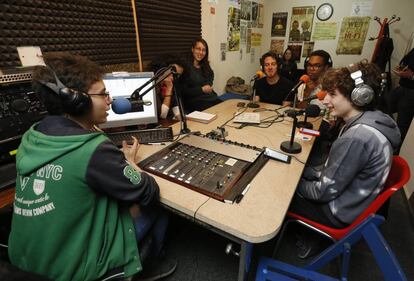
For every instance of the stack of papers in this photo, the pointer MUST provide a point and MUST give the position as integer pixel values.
(248, 117)
(202, 117)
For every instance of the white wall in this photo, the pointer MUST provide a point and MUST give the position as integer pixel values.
(214, 28)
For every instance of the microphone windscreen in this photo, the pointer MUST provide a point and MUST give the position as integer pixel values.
(312, 110)
(121, 106)
(260, 74)
(304, 78)
(321, 95)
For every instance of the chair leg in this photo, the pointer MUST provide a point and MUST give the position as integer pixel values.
(383, 254)
(345, 261)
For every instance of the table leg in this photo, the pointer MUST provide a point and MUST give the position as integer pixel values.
(245, 259)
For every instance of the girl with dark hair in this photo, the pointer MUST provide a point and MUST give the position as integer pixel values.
(289, 66)
(198, 93)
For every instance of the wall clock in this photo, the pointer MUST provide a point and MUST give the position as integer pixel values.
(324, 11)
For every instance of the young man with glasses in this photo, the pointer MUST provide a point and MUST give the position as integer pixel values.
(76, 214)
(315, 66)
(273, 88)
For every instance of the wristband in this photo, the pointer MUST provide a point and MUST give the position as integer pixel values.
(164, 92)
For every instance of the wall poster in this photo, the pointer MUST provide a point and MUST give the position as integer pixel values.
(352, 35)
(233, 29)
(296, 50)
(279, 21)
(325, 31)
(277, 46)
(301, 23)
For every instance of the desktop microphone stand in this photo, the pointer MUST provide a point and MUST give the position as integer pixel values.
(253, 103)
(304, 123)
(291, 146)
(295, 98)
(184, 128)
(293, 110)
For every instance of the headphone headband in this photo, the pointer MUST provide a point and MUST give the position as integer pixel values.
(74, 102)
(320, 53)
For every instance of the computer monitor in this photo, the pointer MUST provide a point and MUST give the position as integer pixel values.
(122, 86)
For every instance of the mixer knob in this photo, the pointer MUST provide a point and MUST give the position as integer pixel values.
(20, 105)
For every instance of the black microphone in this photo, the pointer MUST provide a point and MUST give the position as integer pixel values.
(311, 111)
(125, 105)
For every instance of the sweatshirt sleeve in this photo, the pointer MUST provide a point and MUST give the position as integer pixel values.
(346, 158)
(192, 91)
(211, 78)
(108, 172)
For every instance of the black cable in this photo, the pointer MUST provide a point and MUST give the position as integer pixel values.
(297, 159)
(195, 213)
(234, 116)
(265, 121)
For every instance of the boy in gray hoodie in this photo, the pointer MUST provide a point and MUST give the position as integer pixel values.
(360, 158)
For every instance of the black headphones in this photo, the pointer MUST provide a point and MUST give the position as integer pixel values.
(320, 53)
(74, 102)
(362, 94)
(273, 55)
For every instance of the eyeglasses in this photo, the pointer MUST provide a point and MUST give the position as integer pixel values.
(104, 93)
(314, 66)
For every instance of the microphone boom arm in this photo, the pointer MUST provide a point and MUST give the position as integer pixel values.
(158, 78)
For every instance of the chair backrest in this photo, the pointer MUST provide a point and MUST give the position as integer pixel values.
(397, 178)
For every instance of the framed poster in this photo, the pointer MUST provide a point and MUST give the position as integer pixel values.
(301, 23)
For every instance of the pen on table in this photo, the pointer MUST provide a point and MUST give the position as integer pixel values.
(240, 196)
(155, 143)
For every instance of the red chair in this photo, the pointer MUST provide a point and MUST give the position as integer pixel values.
(397, 178)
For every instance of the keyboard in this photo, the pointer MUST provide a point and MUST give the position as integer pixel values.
(143, 136)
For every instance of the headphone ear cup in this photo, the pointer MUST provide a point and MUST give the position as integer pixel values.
(305, 63)
(330, 63)
(279, 62)
(74, 102)
(362, 95)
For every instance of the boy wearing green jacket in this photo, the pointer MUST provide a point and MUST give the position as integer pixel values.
(75, 190)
